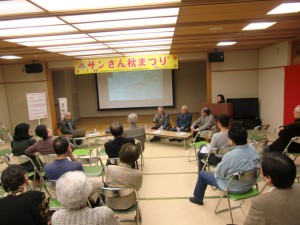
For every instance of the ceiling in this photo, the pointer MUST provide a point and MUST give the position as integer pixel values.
(200, 25)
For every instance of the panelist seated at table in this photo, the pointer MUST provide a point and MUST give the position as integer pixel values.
(205, 122)
(183, 122)
(161, 120)
(67, 125)
(45, 145)
(112, 148)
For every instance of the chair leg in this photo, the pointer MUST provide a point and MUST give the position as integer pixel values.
(218, 204)
(190, 155)
(230, 210)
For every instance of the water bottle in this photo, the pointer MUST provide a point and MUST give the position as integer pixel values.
(95, 131)
(161, 129)
(178, 131)
(145, 127)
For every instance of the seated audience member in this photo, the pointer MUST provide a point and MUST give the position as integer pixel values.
(44, 146)
(112, 148)
(134, 131)
(242, 157)
(218, 140)
(286, 133)
(62, 164)
(21, 141)
(183, 121)
(72, 191)
(124, 176)
(21, 206)
(220, 98)
(161, 120)
(67, 125)
(205, 122)
(281, 205)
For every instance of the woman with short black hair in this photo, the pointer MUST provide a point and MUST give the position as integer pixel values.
(21, 206)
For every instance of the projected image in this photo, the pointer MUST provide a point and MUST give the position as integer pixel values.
(141, 85)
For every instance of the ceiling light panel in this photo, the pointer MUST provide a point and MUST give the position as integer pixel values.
(70, 48)
(143, 49)
(96, 52)
(99, 56)
(17, 7)
(135, 36)
(27, 31)
(132, 14)
(226, 43)
(127, 23)
(258, 26)
(147, 53)
(58, 42)
(10, 57)
(292, 7)
(139, 31)
(47, 38)
(78, 5)
(124, 44)
(31, 22)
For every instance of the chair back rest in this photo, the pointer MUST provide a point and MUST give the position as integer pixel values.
(247, 176)
(18, 159)
(110, 192)
(88, 160)
(5, 152)
(224, 150)
(296, 139)
(114, 161)
(260, 145)
(45, 159)
(204, 134)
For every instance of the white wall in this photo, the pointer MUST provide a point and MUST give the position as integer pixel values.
(271, 83)
(237, 76)
(17, 84)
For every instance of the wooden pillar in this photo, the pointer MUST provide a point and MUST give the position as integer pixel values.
(208, 83)
(51, 97)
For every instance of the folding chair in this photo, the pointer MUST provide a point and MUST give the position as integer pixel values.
(259, 133)
(217, 151)
(4, 153)
(140, 146)
(114, 161)
(196, 146)
(82, 152)
(295, 140)
(92, 171)
(244, 176)
(122, 192)
(260, 146)
(54, 204)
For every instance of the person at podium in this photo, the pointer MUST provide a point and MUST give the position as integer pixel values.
(220, 98)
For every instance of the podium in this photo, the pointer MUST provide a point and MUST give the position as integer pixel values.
(220, 108)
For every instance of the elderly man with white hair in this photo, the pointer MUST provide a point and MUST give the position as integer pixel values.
(286, 133)
(67, 125)
(72, 191)
(135, 131)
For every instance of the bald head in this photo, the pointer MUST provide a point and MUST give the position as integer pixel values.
(297, 112)
(184, 109)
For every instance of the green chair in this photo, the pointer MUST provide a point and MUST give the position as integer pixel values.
(259, 133)
(3, 154)
(195, 147)
(245, 176)
(294, 140)
(54, 204)
(217, 151)
(106, 192)
(92, 171)
(82, 152)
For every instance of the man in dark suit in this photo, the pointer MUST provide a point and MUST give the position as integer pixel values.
(183, 121)
(161, 119)
(112, 148)
(286, 133)
(67, 125)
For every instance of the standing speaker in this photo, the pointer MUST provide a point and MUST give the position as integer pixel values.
(216, 57)
(34, 68)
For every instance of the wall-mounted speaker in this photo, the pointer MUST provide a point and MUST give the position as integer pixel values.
(216, 57)
(33, 68)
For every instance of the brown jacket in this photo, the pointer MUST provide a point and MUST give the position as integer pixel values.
(278, 207)
(125, 177)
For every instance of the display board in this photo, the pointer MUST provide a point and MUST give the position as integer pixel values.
(37, 105)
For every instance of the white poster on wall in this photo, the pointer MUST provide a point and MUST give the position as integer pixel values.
(63, 107)
(37, 106)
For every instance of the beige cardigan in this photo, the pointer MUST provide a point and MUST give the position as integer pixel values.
(123, 176)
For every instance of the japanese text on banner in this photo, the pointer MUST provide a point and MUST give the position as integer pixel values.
(133, 63)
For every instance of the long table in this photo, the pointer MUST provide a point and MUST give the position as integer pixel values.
(170, 134)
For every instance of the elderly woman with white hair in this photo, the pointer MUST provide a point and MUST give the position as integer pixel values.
(72, 191)
(135, 131)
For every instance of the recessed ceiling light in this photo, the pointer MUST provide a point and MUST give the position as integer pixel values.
(47, 38)
(10, 57)
(36, 30)
(291, 7)
(216, 28)
(70, 48)
(133, 32)
(132, 14)
(258, 26)
(18, 7)
(31, 22)
(128, 44)
(127, 23)
(77, 5)
(96, 52)
(143, 49)
(226, 43)
(135, 36)
(147, 53)
(58, 42)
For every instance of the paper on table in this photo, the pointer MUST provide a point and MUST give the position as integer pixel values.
(181, 133)
(156, 132)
